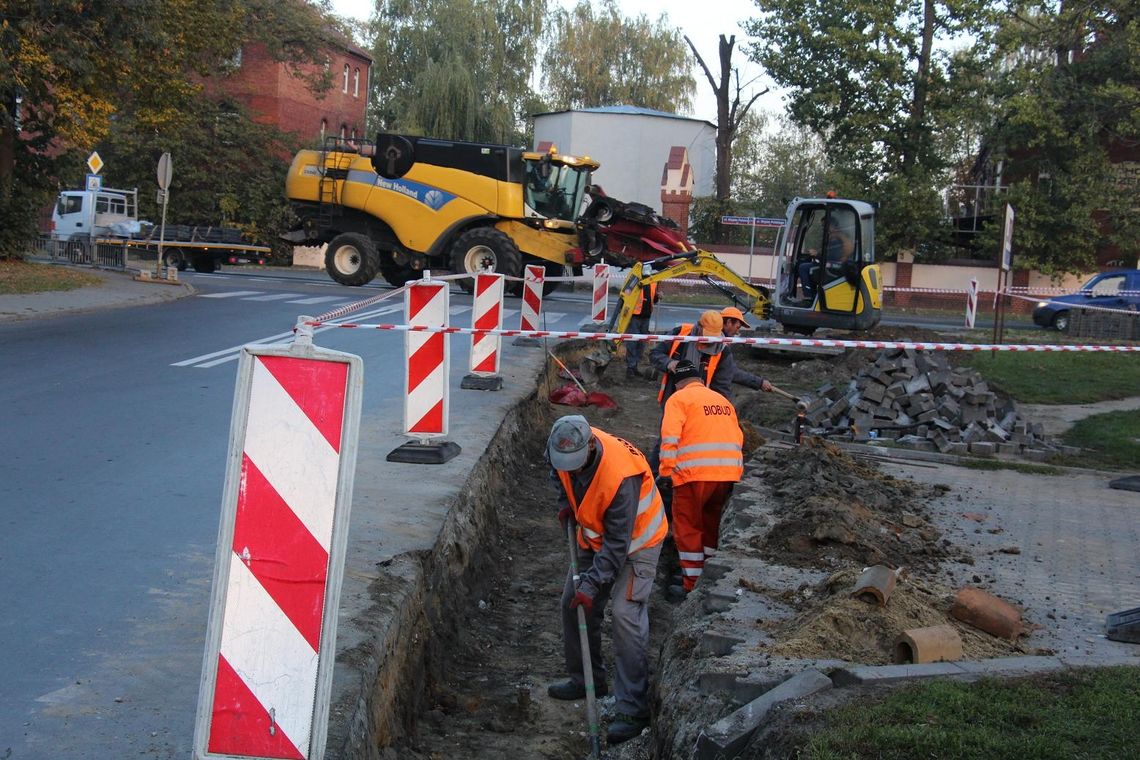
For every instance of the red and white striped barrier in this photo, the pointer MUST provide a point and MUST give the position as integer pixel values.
(487, 314)
(268, 666)
(532, 297)
(601, 310)
(753, 341)
(428, 359)
(972, 303)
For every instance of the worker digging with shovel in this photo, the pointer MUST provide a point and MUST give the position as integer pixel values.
(608, 491)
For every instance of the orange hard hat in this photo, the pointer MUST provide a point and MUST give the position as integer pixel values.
(731, 312)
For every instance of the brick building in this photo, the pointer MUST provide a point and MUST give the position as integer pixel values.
(275, 96)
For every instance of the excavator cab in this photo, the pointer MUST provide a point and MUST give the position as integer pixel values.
(827, 275)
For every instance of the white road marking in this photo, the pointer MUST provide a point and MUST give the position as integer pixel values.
(231, 294)
(273, 297)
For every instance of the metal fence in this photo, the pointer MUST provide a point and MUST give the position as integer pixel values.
(81, 252)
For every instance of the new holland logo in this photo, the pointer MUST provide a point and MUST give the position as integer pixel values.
(432, 197)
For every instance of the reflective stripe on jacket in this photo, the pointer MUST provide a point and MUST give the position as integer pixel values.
(710, 368)
(701, 438)
(619, 460)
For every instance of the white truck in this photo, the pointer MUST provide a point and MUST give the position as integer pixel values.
(83, 220)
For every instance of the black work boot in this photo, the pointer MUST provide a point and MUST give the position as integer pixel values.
(571, 690)
(624, 728)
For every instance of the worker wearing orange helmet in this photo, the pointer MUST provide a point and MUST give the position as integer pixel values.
(719, 369)
(702, 457)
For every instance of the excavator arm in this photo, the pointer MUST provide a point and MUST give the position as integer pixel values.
(704, 265)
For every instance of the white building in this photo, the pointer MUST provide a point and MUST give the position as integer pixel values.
(635, 147)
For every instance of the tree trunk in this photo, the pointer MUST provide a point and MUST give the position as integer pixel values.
(921, 86)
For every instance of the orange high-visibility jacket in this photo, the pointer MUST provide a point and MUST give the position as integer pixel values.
(701, 438)
(619, 460)
(641, 299)
(710, 369)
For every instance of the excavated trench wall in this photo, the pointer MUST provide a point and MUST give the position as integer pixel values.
(423, 594)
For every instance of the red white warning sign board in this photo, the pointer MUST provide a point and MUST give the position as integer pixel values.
(428, 360)
(267, 671)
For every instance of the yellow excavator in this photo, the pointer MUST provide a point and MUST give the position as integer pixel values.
(826, 275)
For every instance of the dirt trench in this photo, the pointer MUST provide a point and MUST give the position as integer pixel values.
(473, 681)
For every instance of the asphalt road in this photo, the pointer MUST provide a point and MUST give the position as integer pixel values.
(112, 462)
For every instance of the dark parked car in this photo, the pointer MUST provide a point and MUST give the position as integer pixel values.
(1108, 290)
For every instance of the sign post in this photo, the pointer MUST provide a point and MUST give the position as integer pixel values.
(753, 222)
(165, 172)
(1003, 274)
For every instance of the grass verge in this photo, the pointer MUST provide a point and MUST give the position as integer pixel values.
(22, 278)
(1061, 378)
(1111, 441)
(1085, 714)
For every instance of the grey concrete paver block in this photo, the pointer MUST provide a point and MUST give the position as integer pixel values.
(728, 736)
(858, 675)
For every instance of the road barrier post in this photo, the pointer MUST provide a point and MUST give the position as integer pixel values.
(972, 302)
(427, 368)
(487, 314)
(271, 640)
(601, 308)
(533, 283)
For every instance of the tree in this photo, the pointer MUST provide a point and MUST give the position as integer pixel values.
(603, 58)
(1069, 99)
(779, 164)
(457, 69)
(877, 81)
(69, 72)
(730, 110)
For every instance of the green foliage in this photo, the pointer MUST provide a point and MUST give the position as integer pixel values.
(109, 75)
(1070, 95)
(878, 82)
(602, 58)
(1108, 440)
(1068, 714)
(772, 166)
(457, 69)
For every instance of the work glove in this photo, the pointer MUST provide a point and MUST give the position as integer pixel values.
(584, 600)
(564, 516)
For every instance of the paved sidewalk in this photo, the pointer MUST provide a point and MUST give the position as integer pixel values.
(118, 289)
(1063, 547)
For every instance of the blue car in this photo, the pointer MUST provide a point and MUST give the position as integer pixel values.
(1108, 290)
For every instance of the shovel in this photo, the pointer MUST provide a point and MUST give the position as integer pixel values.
(799, 401)
(584, 644)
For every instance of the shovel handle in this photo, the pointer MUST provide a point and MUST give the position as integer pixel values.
(584, 645)
(783, 393)
(567, 371)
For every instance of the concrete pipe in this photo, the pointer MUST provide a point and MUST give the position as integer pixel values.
(875, 585)
(938, 643)
(988, 613)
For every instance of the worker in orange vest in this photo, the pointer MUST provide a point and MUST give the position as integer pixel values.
(702, 456)
(609, 491)
(639, 325)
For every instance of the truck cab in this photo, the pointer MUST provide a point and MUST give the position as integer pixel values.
(87, 214)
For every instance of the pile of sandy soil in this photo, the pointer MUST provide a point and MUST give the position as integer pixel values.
(835, 509)
(834, 625)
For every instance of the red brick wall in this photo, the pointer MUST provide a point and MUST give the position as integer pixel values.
(277, 97)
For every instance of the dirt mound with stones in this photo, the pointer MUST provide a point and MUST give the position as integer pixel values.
(836, 509)
(833, 624)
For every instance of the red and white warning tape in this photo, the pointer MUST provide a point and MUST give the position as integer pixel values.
(1082, 307)
(747, 341)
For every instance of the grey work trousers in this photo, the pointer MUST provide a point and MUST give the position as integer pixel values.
(634, 348)
(630, 592)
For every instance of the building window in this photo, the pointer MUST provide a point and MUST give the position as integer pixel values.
(345, 87)
(356, 83)
(324, 127)
(343, 131)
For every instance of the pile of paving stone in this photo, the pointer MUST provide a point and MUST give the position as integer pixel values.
(918, 400)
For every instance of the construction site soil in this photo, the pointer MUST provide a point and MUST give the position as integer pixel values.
(802, 525)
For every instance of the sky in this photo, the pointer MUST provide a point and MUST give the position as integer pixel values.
(703, 21)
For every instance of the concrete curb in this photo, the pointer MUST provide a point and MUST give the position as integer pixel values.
(730, 735)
